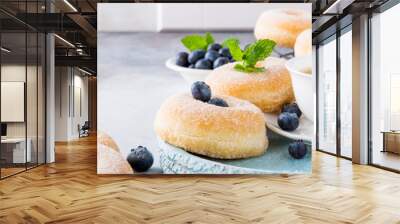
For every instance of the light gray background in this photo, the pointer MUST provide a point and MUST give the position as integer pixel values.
(157, 17)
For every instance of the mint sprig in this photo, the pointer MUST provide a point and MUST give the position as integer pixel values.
(197, 42)
(248, 58)
(209, 39)
(248, 69)
(234, 48)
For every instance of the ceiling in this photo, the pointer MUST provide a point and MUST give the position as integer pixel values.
(75, 22)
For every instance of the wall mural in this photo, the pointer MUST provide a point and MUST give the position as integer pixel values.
(205, 89)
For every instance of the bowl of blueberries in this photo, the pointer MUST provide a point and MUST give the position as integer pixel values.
(302, 81)
(202, 57)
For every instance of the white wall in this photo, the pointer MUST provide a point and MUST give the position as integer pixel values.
(159, 17)
(62, 82)
(126, 17)
(69, 81)
(79, 117)
(12, 73)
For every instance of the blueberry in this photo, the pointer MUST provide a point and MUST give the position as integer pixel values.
(220, 61)
(214, 47)
(196, 55)
(191, 66)
(297, 149)
(218, 102)
(211, 55)
(203, 64)
(224, 52)
(288, 121)
(181, 59)
(292, 108)
(140, 159)
(201, 91)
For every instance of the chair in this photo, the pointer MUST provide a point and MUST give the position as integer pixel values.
(84, 129)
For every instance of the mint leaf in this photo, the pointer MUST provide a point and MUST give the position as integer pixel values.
(247, 69)
(240, 68)
(194, 42)
(258, 51)
(234, 47)
(197, 42)
(209, 39)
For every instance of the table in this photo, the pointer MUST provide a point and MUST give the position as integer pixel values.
(391, 141)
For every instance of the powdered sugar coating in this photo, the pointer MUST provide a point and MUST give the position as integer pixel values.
(268, 90)
(237, 131)
(282, 25)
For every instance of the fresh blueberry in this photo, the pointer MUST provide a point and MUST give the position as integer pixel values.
(224, 52)
(191, 66)
(211, 55)
(140, 159)
(288, 121)
(214, 46)
(201, 91)
(220, 61)
(218, 102)
(196, 55)
(292, 108)
(203, 64)
(181, 59)
(297, 149)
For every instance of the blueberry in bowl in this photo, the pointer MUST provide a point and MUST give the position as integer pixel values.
(211, 55)
(203, 64)
(203, 54)
(215, 47)
(140, 159)
(220, 61)
(288, 121)
(196, 55)
(297, 149)
(182, 59)
(292, 108)
(224, 52)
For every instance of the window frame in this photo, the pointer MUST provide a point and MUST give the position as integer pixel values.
(334, 37)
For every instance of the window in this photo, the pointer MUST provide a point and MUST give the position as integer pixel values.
(327, 96)
(385, 89)
(22, 77)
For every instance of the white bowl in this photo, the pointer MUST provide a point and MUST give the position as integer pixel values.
(189, 74)
(302, 84)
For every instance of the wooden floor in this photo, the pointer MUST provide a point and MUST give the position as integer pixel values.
(69, 191)
(10, 171)
(387, 159)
